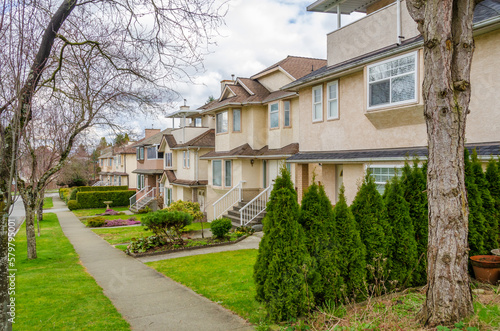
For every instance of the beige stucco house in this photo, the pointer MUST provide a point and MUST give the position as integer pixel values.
(117, 164)
(364, 109)
(185, 176)
(256, 130)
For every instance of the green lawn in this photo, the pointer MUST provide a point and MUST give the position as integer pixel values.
(54, 292)
(125, 234)
(93, 211)
(225, 278)
(47, 203)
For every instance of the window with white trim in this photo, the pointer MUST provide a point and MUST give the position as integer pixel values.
(227, 173)
(197, 122)
(168, 160)
(383, 174)
(332, 100)
(393, 81)
(274, 115)
(221, 122)
(237, 120)
(152, 153)
(286, 108)
(217, 173)
(317, 103)
(185, 159)
(140, 153)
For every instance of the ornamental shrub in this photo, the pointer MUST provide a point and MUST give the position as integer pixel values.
(96, 222)
(72, 195)
(220, 227)
(167, 223)
(351, 250)
(192, 208)
(96, 199)
(492, 177)
(73, 204)
(368, 209)
(490, 238)
(142, 245)
(283, 262)
(476, 217)
(403, 251)
(316, 216)
(102, 188)
(414, 184)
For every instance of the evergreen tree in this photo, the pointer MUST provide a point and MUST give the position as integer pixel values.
(283, 263)
(351, 250)
(316, 216)
(403, 254)
(369, 212)
(413, 182)
(476, 217)
(493, 181)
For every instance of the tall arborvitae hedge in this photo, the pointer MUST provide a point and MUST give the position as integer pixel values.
(351, 250)
(493, 180)
(488, 203)
(413, 181)
(403, 252)
(369, 212)
(283, 262)
(316, 217)
(476, 217)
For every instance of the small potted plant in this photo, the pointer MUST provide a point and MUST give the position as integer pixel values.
(486, 268)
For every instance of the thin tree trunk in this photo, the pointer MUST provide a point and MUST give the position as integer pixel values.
(39, 216)
(448, 47)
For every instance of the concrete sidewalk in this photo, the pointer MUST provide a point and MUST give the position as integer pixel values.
(145, 298)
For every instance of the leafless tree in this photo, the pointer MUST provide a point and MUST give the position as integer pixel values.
(446, 27)
(46, 45)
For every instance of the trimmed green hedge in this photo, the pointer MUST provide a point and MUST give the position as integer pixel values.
(73, 204)
(102, 188)
(96, 199)
(64, 194)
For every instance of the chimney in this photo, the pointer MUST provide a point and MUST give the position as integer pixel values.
(151, 132)
(225, 82)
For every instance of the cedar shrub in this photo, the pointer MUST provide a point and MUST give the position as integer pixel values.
(493, 181)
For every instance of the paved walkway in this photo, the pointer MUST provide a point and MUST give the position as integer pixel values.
(145, 298)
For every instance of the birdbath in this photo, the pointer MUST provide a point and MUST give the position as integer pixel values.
(107, 204)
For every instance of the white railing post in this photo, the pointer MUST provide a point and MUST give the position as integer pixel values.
(255, 207)
(228, 200)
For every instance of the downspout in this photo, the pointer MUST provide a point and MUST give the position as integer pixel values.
(398, 22)
(184, 129)
(339, 21)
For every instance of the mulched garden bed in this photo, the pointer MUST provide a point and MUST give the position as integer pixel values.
(167, 249)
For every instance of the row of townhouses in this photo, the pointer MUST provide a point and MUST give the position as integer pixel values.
(332, 119)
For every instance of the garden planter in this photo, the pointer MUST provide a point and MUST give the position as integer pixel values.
(486, 268)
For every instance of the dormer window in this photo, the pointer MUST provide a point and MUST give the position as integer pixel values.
(221, 122)
(392, 82)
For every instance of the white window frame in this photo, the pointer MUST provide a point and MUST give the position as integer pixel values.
(230, 173)
(221, 173)
(287, 107)
(156, 152)
(168, 160)
(320, 103)
(390, 104)
(380, 184)
(329, 100)
(110, 162)
(239, 122)
(275, 113)
(225, 116)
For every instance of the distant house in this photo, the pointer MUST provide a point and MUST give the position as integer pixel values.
(117, 164)
(364, 109)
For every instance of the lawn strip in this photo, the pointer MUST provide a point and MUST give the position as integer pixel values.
(47, 203)
(54, 292)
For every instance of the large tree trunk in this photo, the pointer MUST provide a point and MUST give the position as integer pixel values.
(29, 208)
(39, 215)
(448, 47)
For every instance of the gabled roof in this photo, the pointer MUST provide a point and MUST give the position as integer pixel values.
(172, 179)
(153, 140)
(206, 139)
(245, 151)
(295, 66)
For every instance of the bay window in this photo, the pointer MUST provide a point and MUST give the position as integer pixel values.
(221, 122)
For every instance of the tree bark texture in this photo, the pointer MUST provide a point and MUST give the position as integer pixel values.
(446, 27)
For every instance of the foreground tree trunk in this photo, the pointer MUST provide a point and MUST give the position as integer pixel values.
(446, 26)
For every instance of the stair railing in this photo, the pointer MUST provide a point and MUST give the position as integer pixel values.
(228, 200)
(255, 207)
(133, 199)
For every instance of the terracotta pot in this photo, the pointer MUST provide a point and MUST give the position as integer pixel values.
(486, 268)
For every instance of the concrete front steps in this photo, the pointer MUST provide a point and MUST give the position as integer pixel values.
(141, 204)
(234, 215)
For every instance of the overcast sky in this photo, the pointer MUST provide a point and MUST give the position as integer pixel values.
(256, 34)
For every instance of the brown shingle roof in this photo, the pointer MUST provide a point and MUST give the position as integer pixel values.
(170, 140)
(247, 151)
(206, 139)
(296, 66)
(153, 140)
(172, 178)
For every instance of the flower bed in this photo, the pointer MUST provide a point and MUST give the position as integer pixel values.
(99, 221)
(110, 211)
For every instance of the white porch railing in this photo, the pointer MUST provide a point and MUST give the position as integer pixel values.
(133, 199)
(228, 200)
(255, 207)
(101, 183)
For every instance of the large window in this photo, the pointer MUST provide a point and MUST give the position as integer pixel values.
(286, 106)
(168, 160)
(152, 153)
(317, 106)
(227, 172)
(217, 173)
(393, 81)
(237, 120)
(221, 122)
(140, 153)
(332, 96)
(274, 115)
(383, 174)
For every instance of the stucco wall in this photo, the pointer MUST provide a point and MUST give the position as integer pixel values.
(282, 136)
(368, 34)
(273, 82)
